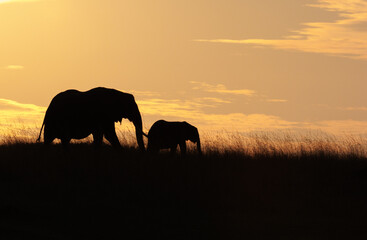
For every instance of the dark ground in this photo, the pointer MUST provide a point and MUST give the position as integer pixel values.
(110, 194)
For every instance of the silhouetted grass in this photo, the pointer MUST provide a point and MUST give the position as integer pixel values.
(255, 186)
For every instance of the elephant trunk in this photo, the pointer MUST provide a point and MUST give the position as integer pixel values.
(197, 138)
(139, 131)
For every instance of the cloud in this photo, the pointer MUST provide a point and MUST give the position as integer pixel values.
(14, 67)
(245, 122)
(169, 107)
(277, 100)
(193, 112)
(6, 104)
(12, 112)
(220, 88)
(214, 100)
(354, 109)
(343, 126)
(19, 119)
(144, 93)
(345, 37)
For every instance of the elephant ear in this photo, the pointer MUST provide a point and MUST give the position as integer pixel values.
(104, 104)
(185, 131)
(120, 106)
(115, 107)
(190, 132)
(126, 108)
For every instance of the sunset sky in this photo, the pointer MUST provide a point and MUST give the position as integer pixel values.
(239, 65)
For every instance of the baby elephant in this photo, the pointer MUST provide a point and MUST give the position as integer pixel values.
(165, 134)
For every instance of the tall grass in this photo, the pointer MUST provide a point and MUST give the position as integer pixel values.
(284, 143)
(267, 143)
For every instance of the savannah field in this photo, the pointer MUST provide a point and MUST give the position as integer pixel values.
(278, 185)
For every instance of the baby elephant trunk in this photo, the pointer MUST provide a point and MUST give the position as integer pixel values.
(199, 147)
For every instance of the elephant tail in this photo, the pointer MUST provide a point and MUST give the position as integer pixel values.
(39, 137)
(142, 132)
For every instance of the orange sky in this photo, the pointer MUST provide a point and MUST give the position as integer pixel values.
(218, 64)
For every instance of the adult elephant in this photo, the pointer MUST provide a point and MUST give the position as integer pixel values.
(165, 134)
(73, 114)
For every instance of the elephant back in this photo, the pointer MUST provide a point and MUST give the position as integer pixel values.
(165, 133)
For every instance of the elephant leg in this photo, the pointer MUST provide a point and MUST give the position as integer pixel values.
(110, 135)
(152, 149)
(97, 139)
(47, 135)
(47, 139)
(65, 142)
(155, 150)
(183, 148)
(173, 149)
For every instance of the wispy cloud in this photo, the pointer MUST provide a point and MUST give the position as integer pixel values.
(169, 107)
(19, 118)
(274, 100)
(12, 112)
(220, 88)
(14, 67)
(193, 112)
(6, 104)
(342, 126)
(354, 109)
(345, 37)
(214, 100)
(339, 108)
(144, 93)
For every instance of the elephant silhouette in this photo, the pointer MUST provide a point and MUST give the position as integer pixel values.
(73, 114)
(164, 134)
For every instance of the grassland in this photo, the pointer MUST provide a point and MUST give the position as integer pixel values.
(254, 186)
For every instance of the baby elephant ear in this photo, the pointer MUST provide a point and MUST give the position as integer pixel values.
(197, 139)
(194, 134)
(188, 131)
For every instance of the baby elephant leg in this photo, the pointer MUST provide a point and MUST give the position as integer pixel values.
(183, 148)
(152, 148)
(97, 139)
(173, 149)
